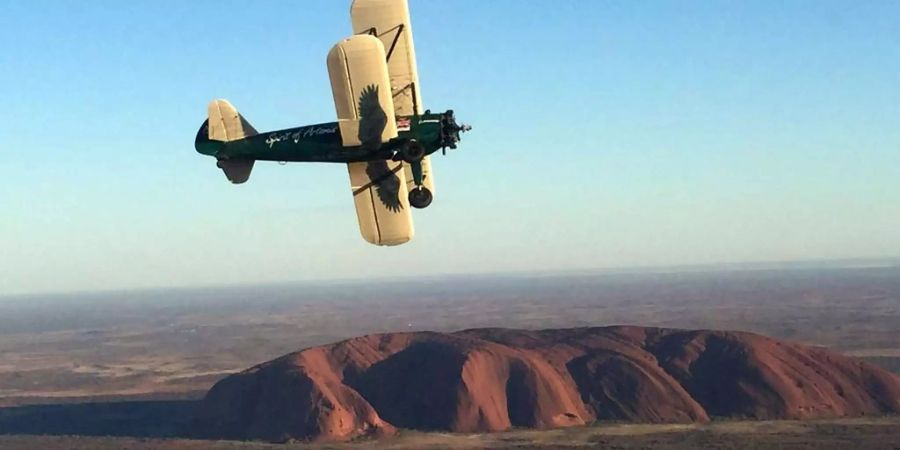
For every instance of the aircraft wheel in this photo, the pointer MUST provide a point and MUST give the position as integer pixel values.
(412, 152)
(420, 197)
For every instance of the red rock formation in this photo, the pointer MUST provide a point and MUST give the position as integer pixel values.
(494, 379)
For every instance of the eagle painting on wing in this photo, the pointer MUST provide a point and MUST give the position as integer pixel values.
(372, 121)
(387, 185)
(372, 118)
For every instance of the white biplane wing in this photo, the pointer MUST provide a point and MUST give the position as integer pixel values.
(361, 88)
(389, 21)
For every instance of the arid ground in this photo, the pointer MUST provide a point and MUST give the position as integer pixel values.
(877, 434)
(133, 363)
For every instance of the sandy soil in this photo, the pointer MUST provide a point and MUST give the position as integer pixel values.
(881, 433)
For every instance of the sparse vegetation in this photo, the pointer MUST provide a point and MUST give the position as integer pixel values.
(169, 345)
(869, 433)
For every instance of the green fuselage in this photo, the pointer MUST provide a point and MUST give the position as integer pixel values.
(320, 143)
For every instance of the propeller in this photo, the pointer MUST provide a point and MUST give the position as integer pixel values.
(450, 131)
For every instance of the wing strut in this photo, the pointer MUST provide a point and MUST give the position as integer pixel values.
(389, 21)
(374, 32)
(412, 85)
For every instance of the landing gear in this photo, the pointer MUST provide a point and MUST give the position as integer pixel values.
(412, 152)
(420, 197)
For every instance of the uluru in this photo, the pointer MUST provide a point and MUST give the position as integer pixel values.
(483, 380)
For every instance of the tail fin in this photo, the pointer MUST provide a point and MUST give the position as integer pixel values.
(225, 124)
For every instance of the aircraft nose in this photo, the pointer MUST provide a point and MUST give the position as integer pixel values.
(450, 130)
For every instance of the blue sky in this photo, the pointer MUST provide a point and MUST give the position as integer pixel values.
(607, 134)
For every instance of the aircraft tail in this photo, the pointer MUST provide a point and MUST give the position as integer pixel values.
(225, 124)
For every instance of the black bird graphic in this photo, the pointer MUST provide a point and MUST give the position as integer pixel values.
(372, 118)
(372, 121)
(386, 183)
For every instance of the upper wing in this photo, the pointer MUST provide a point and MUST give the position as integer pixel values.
(389, 21)
(365, 110)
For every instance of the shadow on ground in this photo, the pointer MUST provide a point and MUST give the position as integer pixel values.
(145, 418)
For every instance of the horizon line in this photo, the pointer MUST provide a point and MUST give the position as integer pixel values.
(745, 266)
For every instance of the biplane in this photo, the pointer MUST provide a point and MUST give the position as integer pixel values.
(383, 133)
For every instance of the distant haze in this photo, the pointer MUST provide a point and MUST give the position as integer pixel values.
(607, 134)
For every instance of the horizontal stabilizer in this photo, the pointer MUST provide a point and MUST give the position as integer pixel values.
(236, 170)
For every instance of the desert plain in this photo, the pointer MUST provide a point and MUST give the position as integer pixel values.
(81, 369)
